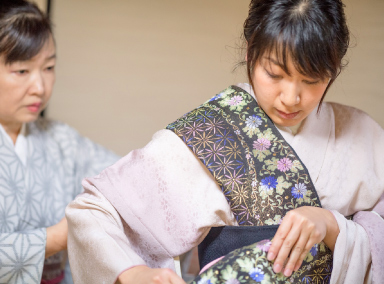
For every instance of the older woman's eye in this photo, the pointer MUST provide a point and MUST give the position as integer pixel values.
(50, 68)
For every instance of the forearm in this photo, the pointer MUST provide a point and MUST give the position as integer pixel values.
(56, 238)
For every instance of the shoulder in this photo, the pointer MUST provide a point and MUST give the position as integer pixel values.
(350, 117)
(52, 128)
(342, 111)
(55, 135)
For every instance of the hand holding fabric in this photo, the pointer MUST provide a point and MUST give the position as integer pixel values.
(299, 231)
(145, 275)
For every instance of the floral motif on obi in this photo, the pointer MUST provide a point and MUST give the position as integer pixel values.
(249, 265)
(257, 170)
(260, 175)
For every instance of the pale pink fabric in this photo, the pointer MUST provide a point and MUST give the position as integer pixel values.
(164, 200)
(208, 265)
(352, 256)
(164, 204)
(374, 226)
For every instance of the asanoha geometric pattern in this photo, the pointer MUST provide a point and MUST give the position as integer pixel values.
(260, 175)
(257, 170)
(34, 196)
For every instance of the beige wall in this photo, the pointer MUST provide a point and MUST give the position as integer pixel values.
(41, 3)
(127, 68)
(361, 83)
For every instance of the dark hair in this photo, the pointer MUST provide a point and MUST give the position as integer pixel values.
(24, 29)
(313, 33)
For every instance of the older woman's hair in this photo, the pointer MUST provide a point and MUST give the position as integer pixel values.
(312, 33)
(24, 29)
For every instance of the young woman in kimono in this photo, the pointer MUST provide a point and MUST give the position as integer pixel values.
(259, 161)
(42, 162)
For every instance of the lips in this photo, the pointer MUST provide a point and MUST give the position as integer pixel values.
(34, 107)
(285, 115)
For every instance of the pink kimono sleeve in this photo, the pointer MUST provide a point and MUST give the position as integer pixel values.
(373, 223)
(152, 205)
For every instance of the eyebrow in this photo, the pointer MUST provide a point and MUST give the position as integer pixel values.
(53, 56)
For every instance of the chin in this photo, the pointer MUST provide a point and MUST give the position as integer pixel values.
(287, 123)
(293, 123)
(31, 117)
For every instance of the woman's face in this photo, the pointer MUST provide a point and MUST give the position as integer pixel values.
(26, 86)
(286, 99)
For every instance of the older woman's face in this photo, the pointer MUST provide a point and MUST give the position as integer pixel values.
(26, 86)
(286, 99)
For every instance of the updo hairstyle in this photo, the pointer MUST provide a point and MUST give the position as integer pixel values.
(312, 33)
(24, 29)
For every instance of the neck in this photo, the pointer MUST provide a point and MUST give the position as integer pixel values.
(12, 130)
(293, 129)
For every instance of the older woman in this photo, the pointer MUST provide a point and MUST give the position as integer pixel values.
(42, 162)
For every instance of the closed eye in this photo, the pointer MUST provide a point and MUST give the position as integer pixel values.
(273, 76)
(311, 82)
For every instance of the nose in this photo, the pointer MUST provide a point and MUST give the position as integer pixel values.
(290, 96)
(37, 86)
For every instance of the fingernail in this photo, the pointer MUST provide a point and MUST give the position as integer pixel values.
(276, 268)
(270, 256)
(287, 272)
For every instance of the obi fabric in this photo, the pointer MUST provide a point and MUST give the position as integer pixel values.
(53, 270)
(262, 179)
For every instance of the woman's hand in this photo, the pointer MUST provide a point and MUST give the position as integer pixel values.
(145, 275)
(56, 238)
(300, 230)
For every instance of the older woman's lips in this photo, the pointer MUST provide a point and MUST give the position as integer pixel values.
(34, 107)
(285, 115)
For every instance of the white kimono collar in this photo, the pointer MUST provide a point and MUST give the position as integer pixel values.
(311, 142)
(21, 145)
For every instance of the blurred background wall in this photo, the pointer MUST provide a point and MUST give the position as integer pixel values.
(126, 68)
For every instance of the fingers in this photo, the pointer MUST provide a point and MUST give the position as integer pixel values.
(177, 280)
(278, 240)
(291, 246)
(167, 276)
(293, 240)
(285, 249)
(145, 275)
(298, 253)
(299, 262)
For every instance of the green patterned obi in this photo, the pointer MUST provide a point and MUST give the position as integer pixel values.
(262, 179)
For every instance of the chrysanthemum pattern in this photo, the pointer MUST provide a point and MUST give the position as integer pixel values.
(255, 167)
(249, 265)
(258, 172)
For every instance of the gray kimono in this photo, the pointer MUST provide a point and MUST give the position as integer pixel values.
(35, 192)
